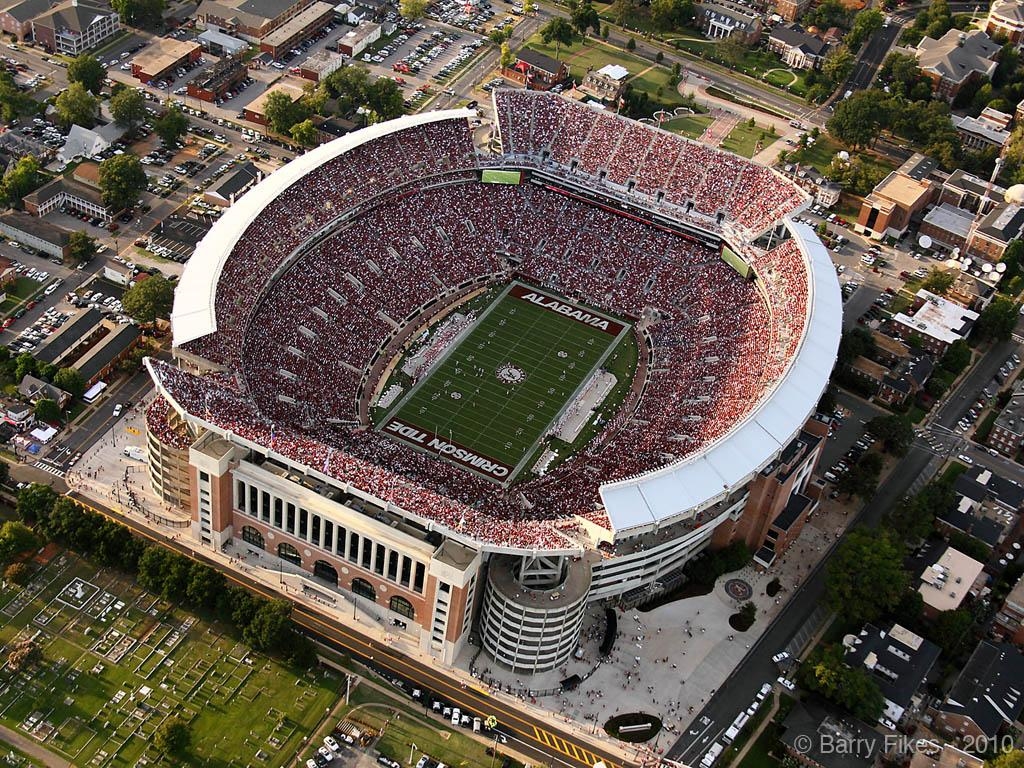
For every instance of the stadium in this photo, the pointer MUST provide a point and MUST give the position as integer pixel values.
(478, 381)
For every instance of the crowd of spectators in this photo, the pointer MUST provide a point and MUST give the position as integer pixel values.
(297, 342)
(604, 148)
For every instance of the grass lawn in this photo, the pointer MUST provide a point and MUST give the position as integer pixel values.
(592, 54)
(760, 65)
(758, 755)
(743, 139)
(690, 126)
(824, 150)
(21, 289)
(117, 661)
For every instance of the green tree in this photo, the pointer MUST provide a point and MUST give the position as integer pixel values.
(828, 13)
(24, 656)
(35, 502)
(122, 179)
(20, 179)
(282, 112)
(631, 44)
(13, 102)
(913, 517)
(499, 36)
(938, 281)
(270, 627)
(896, 433)
(671, 14)
(957, 357)
(85, 69)
(413, 10)
(76, 106)
(951, 630)
(529, 6)
(1011, 758)
(384, 98)
(558, 31)
(865, 577)
(17, 573)
(625, 13)
(508, 58)
(865, 24)
(24, 365)
(854, 343)
(70, 381)
(862, 479)
(172, 737)
(584, 17)
(838, 64)
(858, 120)
(128, 109)
(144, 13)
(150, 299)
(826, 672)
(171, 125)
(305, 133)
(15, 538)
(997, 320)
(47, 410)
(81, 247)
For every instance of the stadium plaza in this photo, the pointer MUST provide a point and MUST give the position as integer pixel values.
(264, 433)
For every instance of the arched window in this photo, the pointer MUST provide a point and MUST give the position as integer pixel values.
(325, 571)
(287, 552)
(363, 588)
(251, 536)
(402, 606)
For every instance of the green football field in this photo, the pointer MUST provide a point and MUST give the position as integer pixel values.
(495, 394)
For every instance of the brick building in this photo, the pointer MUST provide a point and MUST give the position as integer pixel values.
(957, 60)
(73, 27)
(897, 199)
(163, 56)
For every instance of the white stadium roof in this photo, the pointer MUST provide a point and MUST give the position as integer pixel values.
(659, 497)
(194, 314)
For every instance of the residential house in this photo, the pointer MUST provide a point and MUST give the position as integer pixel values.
(936, 321)
(1009, 621)
(605, 84)
(250, 20)
(905, 380)
(957, 60)
(16, 16)
(35, 389)
(899, 662)
(228, 189)
(67, 193)
(1006, 19)
(986, 697)
(813, 729)
(254, 109)
(798, 48)
(987, 509)
(74, 27)
(537, 71)
(721, 19)
(1007, 433)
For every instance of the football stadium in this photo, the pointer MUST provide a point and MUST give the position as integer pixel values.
(481, 379)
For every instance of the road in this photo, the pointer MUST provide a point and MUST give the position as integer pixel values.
(537, 737)
(908, 475)
(871, 59)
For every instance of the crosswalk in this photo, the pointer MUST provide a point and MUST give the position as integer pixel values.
(569, 749)
(50, 468)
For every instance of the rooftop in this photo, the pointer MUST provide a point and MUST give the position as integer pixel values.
(988, 689)
(72, 16)
(1003, 223)
(968, 182)
(897, 659)
(1011, 418)
(939, 318)
(950, 219)
(958, 55)
(946, 582)
(292, 91)
(539, 60)
(294, 26)
(163, 53)
(33, 225)
(809, 720)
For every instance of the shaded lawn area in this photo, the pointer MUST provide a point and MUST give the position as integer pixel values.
(743, 139)
(754, 63)
(821, 154)
(690, 126)
(590, 54)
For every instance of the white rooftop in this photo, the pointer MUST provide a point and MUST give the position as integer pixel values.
(939, 318)
(946, 583)
(614, 71)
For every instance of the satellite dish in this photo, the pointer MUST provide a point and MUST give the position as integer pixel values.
(952, 264)
(924, 241)
(844, 155)
(1000, 267)
(986, 268)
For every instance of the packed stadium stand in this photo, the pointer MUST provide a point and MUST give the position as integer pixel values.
(324, 269)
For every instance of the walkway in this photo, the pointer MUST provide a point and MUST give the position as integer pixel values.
(31, 748)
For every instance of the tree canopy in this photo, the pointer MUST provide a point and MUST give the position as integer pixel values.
(142, 13)
(305, 133)
(76, 106)
(149, 299)
(826, 672)
(70, 381)
(128, 108)
(283, 112)
(81, 247)
(558, 31)
(172, 737)
(938, 281)
(583, 16)
(895, 431)
(171, 125)
(15, 538)
(997, 320)
(47, 410)
(413, 10)
(858, 120)
(20, 179)
(865, 577)
(85, 69)
(122, 178)
(13, 102)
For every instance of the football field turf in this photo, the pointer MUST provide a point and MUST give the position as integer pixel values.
(488, 402)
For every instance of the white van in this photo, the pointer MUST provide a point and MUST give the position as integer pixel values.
(134, 452)
(456, 716)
